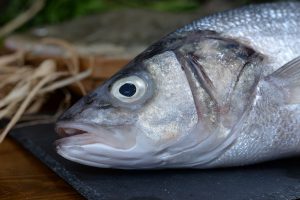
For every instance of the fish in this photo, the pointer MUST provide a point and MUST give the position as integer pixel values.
(222, 91)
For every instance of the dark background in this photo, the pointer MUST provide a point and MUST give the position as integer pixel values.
(61, 10)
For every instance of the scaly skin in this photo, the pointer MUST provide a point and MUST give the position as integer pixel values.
(272, 29)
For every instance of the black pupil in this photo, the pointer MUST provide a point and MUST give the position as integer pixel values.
(127, 89)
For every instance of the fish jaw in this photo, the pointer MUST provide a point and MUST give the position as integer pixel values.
(101, 147)
(117, 147)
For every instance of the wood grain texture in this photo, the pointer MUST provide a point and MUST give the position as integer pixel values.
(24, 177)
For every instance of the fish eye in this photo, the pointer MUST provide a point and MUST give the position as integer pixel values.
(129, 89)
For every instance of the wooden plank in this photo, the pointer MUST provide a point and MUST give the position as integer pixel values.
(24, 177)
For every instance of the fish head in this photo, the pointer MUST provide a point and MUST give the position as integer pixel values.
(131, 119)
(145, 116)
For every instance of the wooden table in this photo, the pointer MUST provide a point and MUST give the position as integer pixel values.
(22, 176)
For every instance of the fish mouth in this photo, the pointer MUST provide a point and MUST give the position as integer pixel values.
(80, 134)
(105, 147)
(65, 131)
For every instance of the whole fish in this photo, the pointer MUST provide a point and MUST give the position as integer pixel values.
(221, 91)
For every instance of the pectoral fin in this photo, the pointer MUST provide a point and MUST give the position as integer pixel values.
(288, 79)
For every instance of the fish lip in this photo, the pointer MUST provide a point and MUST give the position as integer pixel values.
(68, 129)
(80, 134)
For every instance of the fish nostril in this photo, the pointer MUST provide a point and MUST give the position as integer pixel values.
(88, 99)
(104, 106)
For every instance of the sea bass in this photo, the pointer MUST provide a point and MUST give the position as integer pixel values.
(221, 91)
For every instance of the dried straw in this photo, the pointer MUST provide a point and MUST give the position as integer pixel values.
(73, 66)
(28, 86)
(23, 88)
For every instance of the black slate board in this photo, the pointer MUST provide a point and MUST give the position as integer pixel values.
(272, 180)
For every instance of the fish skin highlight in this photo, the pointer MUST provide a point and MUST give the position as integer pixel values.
(222, 91)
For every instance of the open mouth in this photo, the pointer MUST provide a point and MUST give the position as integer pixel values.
(101, 146)
(67, 132)
(84, 134)
(72, 129)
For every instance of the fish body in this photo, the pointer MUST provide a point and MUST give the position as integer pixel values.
(221, 91)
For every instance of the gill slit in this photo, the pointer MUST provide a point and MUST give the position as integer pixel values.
(193, 68)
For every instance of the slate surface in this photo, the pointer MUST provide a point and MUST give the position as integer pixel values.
(272, 180)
